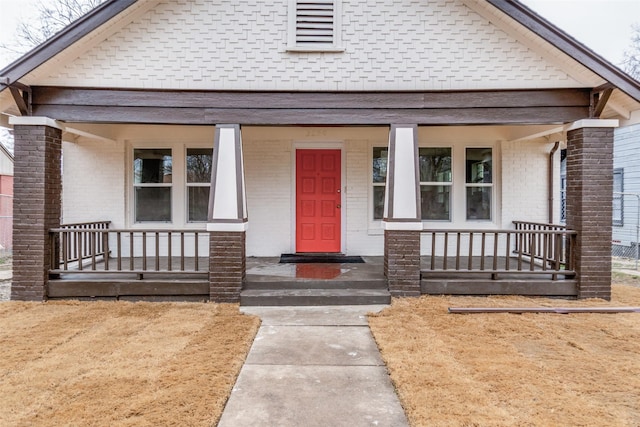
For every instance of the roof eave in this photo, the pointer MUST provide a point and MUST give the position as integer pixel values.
(62, 40)
(570, 46)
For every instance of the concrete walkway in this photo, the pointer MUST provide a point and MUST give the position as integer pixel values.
(313, 366)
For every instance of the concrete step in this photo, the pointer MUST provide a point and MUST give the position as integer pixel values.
(251, 284)
(308, 297)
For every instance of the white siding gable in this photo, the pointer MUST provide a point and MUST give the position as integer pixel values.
(242, 45)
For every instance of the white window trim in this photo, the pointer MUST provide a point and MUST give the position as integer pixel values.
(619, 222)
(188, 184)
(294, 46)
(132, 187)
(491, 185)
(442, 184)
(458, 212)
(179, 203)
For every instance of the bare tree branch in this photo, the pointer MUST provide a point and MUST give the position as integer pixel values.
(52, 16)
(631, 61)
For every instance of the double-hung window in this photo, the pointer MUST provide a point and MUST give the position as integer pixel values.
(435, 183)
(171, 185)
(198, 183)
(380, 155)
(618, 199)
(152, 182)
(441, 186)
(479, 183)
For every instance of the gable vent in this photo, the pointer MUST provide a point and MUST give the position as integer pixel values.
(314, 22)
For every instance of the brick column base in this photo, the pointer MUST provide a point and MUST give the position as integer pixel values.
(402, 262)
(227, 265)
(589, 194)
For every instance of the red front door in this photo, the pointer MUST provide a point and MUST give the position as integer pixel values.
(318, 201)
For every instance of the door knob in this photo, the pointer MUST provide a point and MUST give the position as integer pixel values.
(338, 206)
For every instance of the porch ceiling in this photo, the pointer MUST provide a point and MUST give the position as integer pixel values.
(482, 107)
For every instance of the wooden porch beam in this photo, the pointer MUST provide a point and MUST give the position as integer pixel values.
(21, 102)
(313, 116)
(601, 101)
(47, 95)
(549, 106)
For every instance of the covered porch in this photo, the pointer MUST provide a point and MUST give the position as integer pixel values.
(96, 262)
(417, 257)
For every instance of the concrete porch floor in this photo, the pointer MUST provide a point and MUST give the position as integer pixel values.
(269, 269)
(269, 283)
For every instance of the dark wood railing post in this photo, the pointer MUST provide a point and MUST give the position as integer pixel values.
(535, 249)
(95, 242)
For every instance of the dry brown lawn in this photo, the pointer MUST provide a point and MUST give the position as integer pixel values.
(513, 369)
(126, 364)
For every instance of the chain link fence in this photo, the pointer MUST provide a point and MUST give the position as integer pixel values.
(626, 230)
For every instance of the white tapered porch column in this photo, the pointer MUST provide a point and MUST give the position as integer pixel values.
(402, 221)
(227, 220)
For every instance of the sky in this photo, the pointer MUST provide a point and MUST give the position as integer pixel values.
(602, 25)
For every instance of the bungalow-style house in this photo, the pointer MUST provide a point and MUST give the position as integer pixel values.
(197, 134)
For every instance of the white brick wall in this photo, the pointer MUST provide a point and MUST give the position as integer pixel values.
(525, 181)
(361, 238)
(268, 175)
(93, 182)
(95, 187)
(388, 45)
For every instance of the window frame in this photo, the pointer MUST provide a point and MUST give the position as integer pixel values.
(371, 210)
(491, 185)
(137, 185)
(293, 45)
(457, 208)
(440, 183)
(619, 222)
(179, 191)
(372, 184)
(188, 184)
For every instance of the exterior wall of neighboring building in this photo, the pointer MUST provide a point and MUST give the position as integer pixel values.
(385, 45)
(6, 163)
(97, 179)
(6, 202)
(625, 163)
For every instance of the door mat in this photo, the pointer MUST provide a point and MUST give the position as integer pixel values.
(320, 258)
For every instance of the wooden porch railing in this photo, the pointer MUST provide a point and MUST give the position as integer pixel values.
(498, 252)
(534, 243)
(141, 252)
(81, 240)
